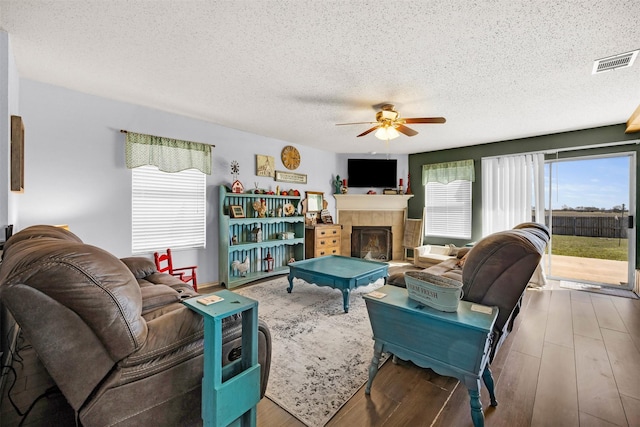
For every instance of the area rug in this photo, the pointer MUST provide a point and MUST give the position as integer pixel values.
(320, 354)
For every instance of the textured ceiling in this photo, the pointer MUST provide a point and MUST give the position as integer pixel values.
(291, 70)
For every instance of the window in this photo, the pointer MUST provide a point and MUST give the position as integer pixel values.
(168, 209)
(448, 209)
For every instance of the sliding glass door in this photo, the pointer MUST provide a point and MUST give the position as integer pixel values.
(588, 206)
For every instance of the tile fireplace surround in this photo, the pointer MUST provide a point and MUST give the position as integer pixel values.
(372, 210)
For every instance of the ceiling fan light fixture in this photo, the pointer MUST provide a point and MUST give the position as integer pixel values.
(386, 133)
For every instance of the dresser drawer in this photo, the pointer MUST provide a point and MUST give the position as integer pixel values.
(334, 250)
(327, 231)
(327, 242)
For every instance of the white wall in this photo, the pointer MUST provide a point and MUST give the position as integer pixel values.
(9, 86)
(75, 172)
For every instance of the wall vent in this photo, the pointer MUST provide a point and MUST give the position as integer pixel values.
(623, 60)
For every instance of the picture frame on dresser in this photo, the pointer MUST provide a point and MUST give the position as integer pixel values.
(325, 216)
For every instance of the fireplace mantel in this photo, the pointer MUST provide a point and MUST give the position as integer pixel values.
(377, 202)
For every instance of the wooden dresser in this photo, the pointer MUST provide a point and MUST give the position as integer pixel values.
(322, 239)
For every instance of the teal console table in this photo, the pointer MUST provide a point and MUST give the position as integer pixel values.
(452, 344)
(229, 394)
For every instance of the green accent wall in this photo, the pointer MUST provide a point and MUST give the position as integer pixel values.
(559, 141)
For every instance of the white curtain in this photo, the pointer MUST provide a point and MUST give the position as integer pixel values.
(512, 190)
(513, 193)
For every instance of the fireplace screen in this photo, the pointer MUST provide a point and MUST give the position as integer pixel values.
(371, 243)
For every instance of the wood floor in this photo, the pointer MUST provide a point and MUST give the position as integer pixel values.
(572, 360)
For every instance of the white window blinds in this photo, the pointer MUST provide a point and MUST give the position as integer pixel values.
(168, 209)
(448, 209)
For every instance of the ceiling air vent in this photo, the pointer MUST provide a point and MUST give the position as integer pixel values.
(614, 62)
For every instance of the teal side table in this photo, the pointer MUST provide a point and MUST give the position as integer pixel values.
(452, 344)
(229, 394)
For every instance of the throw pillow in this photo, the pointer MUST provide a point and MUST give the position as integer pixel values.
(453, 250)
(462, 260)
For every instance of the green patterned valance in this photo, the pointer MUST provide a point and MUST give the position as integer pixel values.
(169, 155)
(445, 173)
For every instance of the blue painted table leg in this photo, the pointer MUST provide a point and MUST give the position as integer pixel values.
(345, 300)
(476, 407)
(373, 367)
(290, 288)
(487, 377)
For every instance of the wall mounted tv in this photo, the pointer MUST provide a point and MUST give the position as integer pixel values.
(372, 173)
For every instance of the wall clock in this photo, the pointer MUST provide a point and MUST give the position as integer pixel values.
(290, 157)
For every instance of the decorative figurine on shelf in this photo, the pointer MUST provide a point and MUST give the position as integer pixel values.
(408, 184)
(268, 262)
(256, 235)
(241, 267)
(237, 186)
(344, 189)
(337, 184)
(260, 207)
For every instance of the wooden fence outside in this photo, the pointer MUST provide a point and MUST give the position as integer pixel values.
(591, 226)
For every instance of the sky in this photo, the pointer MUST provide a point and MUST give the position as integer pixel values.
(602, 182)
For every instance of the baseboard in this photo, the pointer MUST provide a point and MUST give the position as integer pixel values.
(208, 285)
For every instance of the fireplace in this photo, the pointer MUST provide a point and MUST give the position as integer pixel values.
(372, 210)
(372, 243)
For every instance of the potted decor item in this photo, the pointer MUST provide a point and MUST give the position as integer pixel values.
(344, 189)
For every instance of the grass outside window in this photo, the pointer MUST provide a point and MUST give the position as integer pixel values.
(590, 247)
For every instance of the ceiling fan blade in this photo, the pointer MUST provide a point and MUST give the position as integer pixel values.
(426, 120)
(407, 131)
(368, 131)
(357, 123)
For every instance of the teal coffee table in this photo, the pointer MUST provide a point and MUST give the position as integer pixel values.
(338, 272)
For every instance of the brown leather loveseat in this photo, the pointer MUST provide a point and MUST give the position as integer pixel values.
(495, 272)
(113, 334)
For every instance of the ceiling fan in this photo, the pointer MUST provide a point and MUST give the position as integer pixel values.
(388, 123)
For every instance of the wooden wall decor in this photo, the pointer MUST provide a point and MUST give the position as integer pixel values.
(633, 124)
(17, 154)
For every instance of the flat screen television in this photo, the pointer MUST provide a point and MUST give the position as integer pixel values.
(372, 173)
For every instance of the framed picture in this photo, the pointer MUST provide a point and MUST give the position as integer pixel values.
(236, 211)
(265, 165)
(325, 216)
(298, 178)
(17, 154)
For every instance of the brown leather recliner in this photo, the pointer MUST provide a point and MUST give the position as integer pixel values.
(113, 334)
(495, 272)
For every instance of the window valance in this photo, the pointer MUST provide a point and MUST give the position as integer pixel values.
(169, 155)
(445, 173)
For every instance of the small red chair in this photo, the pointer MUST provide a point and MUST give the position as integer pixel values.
(180, 273)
